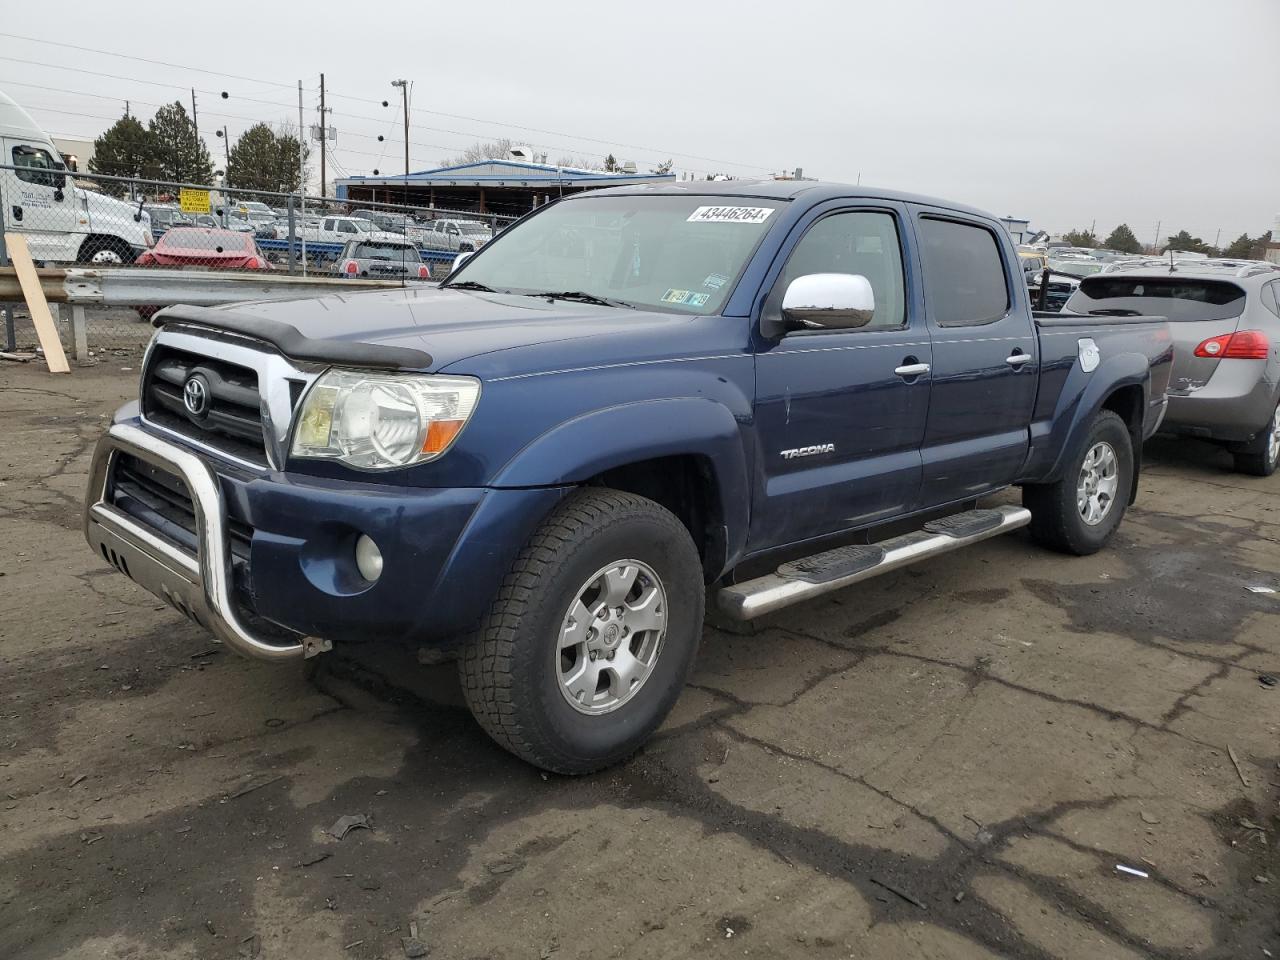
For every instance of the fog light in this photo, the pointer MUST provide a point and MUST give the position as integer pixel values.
(368, 558)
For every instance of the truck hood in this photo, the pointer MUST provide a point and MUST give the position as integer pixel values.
(482, 334)
(109, 215)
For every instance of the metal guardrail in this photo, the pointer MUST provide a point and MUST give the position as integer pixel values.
(321, 251)
(150, 286)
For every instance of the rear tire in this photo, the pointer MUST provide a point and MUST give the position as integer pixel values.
(1260, 456)
(545, 683)
(1079, 513)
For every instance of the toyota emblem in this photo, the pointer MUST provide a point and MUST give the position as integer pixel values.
(195, 395)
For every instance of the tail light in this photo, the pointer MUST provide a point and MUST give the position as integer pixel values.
(146, 259)
(253, 263)
(1241, 345)
(351, 267)
(424, 273)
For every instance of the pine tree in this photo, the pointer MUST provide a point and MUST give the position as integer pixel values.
(180, 156)
(1081, 238)
(1123, 239)
(1184, 242)
(1240, 247)
(124, 150)
(265, 160)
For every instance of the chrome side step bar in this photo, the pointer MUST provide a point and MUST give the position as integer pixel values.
(839, 568)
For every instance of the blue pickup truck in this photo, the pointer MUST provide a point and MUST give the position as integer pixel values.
(629, 403)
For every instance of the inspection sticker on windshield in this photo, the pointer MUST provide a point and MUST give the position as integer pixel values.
(686, 297)
(730, 215)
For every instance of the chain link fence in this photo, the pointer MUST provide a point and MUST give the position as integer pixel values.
(120, 223)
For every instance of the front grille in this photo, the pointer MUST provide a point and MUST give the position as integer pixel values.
(232, 421)
(160, 500)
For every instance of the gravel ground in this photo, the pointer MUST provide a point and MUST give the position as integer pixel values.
(946, 762)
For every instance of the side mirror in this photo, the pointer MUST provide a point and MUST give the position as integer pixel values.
(833, 301)
(461, 258)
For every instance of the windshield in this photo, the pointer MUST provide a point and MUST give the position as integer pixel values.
(385, 251)
(1175, 298)
(1080, 267)
(474, 229)
(682, 254)
(364, 226)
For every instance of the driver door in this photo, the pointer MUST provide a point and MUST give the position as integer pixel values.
(841, 413)
(40, 203)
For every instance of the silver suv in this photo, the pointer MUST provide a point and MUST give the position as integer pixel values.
(1225, 320)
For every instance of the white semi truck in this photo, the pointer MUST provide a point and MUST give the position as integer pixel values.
(63, 223)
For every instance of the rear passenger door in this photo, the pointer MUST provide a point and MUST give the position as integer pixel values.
(984, 358)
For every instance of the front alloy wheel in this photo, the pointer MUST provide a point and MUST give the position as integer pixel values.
(611, 637)
(591, 635)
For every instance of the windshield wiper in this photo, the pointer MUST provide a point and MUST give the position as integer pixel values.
(469, 285)
(1115, 312)
(581, 296)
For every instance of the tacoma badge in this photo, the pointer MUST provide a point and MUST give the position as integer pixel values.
(808, 451)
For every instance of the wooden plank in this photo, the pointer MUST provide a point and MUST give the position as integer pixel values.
(37, 305)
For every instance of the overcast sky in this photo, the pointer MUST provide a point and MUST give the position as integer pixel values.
(1066, 112)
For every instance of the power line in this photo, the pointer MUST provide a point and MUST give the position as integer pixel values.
(276, 83)
(158, 63)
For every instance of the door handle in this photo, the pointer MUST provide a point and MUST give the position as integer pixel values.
(1017, 359)
(912, 369)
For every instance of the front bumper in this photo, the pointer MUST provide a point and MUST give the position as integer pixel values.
(200, 587)
(267, 566)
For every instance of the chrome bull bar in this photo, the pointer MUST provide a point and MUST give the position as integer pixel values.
(201, 586)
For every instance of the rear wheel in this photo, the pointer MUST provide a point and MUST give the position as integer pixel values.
(587, 645)
(1261, 455)
(1079, 513)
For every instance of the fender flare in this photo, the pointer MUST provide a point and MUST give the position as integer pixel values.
(579, 449)
(1083, 395)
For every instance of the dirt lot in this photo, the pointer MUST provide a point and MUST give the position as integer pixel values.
(948, 762)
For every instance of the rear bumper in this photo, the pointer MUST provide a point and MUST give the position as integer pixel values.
(1234, 405)
(270, 550)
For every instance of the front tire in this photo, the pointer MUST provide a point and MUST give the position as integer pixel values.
(1261, 455)
(1079, 513)
(592, 635)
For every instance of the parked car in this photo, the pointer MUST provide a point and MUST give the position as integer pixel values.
(458, 236)
(163, 217)
(333, 229)
(1225, 320)
(383, 260)
(201, 247)
(629, 396)
(387, 220)
(62, 222)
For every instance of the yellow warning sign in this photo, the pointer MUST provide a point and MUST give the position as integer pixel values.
(193, 201)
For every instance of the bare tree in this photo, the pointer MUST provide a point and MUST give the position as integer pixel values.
(481, 151)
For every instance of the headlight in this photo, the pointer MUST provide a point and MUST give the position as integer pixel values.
(379, 421)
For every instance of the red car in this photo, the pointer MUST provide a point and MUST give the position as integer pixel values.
(204, 247)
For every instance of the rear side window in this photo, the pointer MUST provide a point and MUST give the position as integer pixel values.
(1178, 298)
(1270, 295)
(964, 277)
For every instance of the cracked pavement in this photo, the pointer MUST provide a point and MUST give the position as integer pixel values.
(945, 762)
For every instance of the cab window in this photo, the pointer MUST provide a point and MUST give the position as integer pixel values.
(37, 166)
(856, 242)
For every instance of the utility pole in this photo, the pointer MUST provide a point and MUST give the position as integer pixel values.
(404, 95)
(1156, 245)
(302, 181)
(324, 135)
(1216, 237)
(194, 122)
